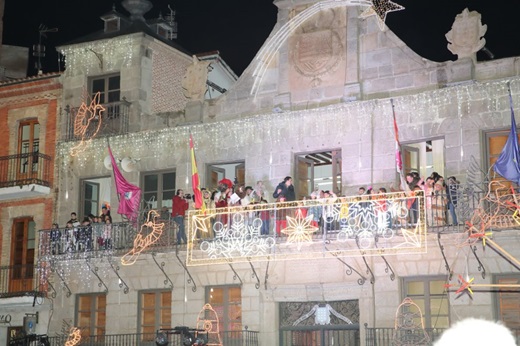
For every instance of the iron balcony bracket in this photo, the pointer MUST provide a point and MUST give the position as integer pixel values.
(161, 268)
(190, 278)
(121, 281)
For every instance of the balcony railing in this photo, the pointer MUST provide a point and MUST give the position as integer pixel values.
(25, 169)
(391, 336)
(114, 120)
(228, 338)
(343, 226)
(19, 280)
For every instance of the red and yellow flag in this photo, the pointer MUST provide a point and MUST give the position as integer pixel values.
(195, 182)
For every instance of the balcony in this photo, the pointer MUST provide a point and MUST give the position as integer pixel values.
(25, 175)
(347, 226)
(392, 336)
(229, 338)
(114, 120)
(19, 281)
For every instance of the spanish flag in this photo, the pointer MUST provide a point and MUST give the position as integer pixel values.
(195, 182)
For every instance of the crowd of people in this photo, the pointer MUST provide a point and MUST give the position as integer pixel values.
(327, 211)
(92, 233)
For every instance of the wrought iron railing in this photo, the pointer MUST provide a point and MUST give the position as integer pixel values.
(19, 280)
(114, 120)
(229, 338)
(99, 240)
(371, 222)
(389, 336)
(25, 169)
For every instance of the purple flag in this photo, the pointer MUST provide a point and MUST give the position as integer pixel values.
(507, 164)
(129, 195)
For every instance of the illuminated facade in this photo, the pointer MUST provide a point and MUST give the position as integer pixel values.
(316, 104)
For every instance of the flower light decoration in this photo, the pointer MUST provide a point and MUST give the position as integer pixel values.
(87, 123)
(379, 9)
(142, 243)
(299, 230)
(74, 337)
(237, 236)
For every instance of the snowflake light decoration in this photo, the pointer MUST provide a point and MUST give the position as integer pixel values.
(299, 230)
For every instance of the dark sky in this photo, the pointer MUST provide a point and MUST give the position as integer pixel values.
(237, 28)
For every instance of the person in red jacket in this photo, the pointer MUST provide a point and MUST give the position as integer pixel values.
(179, 207)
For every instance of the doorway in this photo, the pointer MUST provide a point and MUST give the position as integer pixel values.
(234, 171)
(23, 242)
(424, 157)
(318, 171)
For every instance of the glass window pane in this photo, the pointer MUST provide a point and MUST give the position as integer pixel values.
(114, 82)
(437, 287)
(166, 298)
(441, 322)
(114, 96)
(98, 85)
(415, 288)
(234, 294)
(36, 131)
(26, 132)
(150, 182)
(169, 181)
(167, 199)
(439, 306)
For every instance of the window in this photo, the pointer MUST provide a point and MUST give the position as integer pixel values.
(28, 146)
(423, 157)
(23, 241)
(91, 314)
(429, 294)
(320, 170)
(227, 303)
(494, 143)
(109, 88)
(154, 312)
(158, 189)
(95, 193)
(508, 300)
(234, 171)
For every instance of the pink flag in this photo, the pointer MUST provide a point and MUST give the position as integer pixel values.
(129, 195)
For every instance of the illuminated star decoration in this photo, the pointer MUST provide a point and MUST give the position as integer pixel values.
(467, 285)
(201, 222)
(299, 230)
(74, 337)
(380, 9)
(411, 237)
(140, 242)
(87, 123)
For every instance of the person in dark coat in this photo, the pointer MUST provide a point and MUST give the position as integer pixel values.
(286, 189)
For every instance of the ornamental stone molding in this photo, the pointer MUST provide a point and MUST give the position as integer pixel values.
(466, 36)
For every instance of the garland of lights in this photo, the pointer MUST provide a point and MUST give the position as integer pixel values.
(74, 337)
(87, 123)
(347, 220)
(379, 9)
(142, 243)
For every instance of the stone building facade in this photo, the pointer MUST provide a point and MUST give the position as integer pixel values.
(328, 84)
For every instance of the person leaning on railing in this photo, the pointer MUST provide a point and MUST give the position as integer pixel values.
(55, 237)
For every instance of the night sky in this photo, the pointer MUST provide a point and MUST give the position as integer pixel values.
(238, 28)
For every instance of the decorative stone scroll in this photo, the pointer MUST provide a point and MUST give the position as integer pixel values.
(466, 36)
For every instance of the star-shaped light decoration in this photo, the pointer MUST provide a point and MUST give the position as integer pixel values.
(465, 286)
(380, 9)
(203, 223)
(411, 236)
(299, 230)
